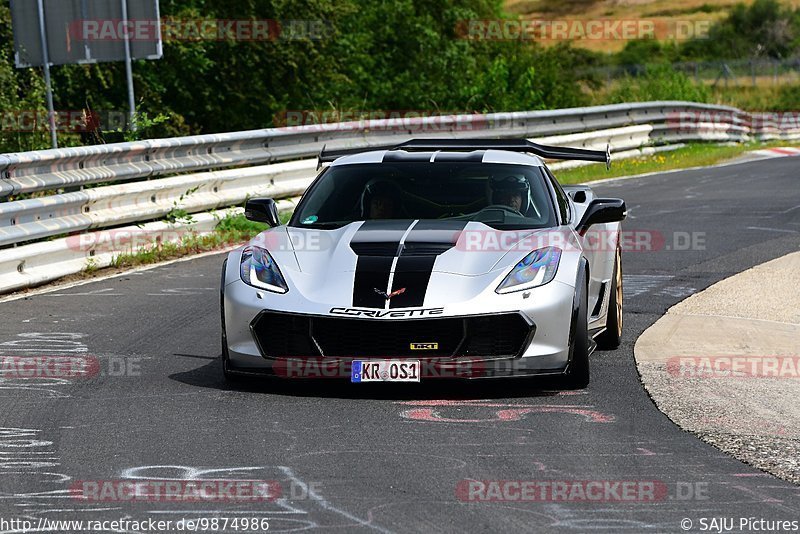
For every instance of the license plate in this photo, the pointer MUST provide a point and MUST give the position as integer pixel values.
(385, 371)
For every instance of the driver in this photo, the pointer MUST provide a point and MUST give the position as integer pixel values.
(381, 200)
(511, 190)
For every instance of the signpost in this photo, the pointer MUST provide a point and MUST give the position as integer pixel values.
(55, 32)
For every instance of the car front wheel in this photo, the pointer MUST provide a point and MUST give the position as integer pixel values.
(612, 335)
(577, 376)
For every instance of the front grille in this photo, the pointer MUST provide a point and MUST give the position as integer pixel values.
(285, 335)
(282, 334)
(381, 338)
(496, 335)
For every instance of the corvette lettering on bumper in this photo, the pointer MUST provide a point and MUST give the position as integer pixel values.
(378, 314)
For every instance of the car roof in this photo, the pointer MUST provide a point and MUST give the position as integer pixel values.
(475, 156)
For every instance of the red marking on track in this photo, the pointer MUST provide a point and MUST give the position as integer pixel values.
(508, 412)
(788, 151)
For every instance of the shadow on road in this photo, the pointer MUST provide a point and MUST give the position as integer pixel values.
(210, 376)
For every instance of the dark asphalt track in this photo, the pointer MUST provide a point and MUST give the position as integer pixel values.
(376, 462)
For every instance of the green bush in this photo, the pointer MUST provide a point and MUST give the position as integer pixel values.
(766, 28)
(788, 98)
(20, 90)
(392, 56)
(659, 82)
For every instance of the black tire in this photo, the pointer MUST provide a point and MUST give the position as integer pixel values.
(230, 377)
(577, 376)
(612, 335)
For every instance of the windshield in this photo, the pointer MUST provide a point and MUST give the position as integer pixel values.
(503, 196)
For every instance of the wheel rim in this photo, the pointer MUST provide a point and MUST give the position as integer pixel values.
(619, 293)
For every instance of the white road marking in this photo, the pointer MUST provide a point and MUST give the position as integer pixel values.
(328, 506)
(96, 293)
(772, 229)
(634, 285)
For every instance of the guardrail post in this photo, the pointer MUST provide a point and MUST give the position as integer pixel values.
(51, 113)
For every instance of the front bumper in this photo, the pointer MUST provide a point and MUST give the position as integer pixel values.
(547, 310)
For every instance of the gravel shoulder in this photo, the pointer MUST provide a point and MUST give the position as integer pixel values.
(725, 365)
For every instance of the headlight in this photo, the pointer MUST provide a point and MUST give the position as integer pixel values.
(258, 269)
(536, 269)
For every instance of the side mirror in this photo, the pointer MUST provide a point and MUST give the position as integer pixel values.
(263, 210)
(602, 210)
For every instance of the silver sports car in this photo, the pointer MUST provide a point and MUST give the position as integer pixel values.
(433, 258)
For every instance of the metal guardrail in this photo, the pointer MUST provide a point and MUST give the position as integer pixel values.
(51, 169)
(269, 162)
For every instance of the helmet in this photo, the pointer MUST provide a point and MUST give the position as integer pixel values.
(512, 183)
(380, 187)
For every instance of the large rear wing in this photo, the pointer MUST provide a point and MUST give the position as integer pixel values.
(511, 145)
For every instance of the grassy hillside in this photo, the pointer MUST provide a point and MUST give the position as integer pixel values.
(665, 14)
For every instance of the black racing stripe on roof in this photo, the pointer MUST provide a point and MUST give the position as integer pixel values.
(460, 157)
(394, 156)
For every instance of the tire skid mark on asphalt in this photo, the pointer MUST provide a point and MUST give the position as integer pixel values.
(183, 292)
(283, 505)
(105, 292)
(634, 285)
(794, 490)
(188, 473)
(42, 344)
(368, 523)
(568, 517)
(580, 519)
(32, 467)
(439, 504)
(25, 456)
(456, 463)
(764, 498)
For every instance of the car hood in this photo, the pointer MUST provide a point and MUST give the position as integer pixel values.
(362, 263)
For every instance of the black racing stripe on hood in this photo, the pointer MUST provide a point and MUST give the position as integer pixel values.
(372, 272)
(412, 273)
(432, 237)
(426, 242)
(376, 243)
(379, 237)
